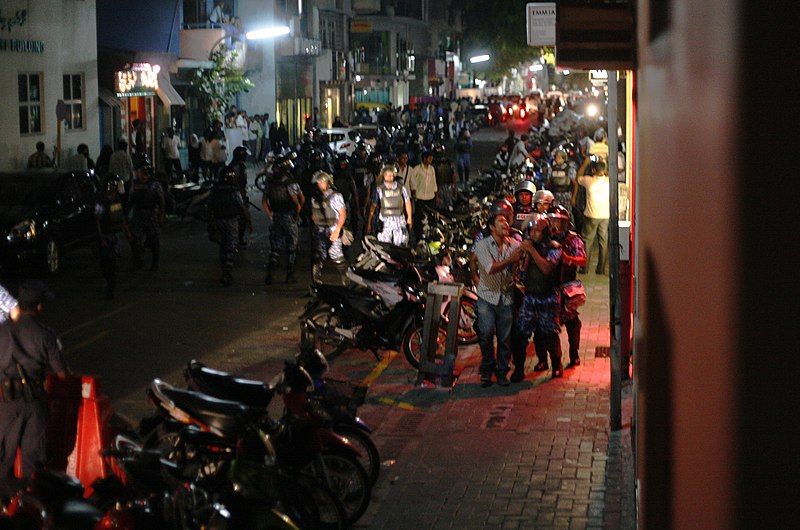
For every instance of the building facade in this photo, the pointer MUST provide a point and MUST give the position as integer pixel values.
(48, 90)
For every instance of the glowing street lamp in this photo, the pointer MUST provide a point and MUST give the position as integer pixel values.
(267, 33)
(478, 59)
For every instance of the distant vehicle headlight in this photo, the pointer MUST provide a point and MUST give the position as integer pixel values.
(592, 110)
(24, 231)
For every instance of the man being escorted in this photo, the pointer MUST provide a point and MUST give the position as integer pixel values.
(394, 205)
(28, 350)
(496, 257)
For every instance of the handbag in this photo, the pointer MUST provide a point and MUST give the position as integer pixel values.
(574, 295)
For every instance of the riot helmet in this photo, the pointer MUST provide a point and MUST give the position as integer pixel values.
(524, 185)
(559, 221)
(545, 198)
(240, 154)
(322, 176)
(500, 207)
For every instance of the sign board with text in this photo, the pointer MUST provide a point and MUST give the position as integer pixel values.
(541, 23)
(138, 79)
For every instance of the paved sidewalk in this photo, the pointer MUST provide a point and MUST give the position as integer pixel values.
(538, 454)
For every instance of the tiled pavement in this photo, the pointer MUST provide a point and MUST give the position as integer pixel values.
(538, 454)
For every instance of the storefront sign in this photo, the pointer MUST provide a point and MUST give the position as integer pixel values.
(360, 26)
(18, 19)
(138, 79)
(541, 22)
(21, 45)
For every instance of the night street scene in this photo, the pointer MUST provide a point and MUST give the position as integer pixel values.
(398, 264)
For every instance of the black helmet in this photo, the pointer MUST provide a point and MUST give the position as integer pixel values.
(375, 162)
(240, 154)
(544, 196)
(438, 151)
(282, 165)
(559, 220)
(342, 162)
(500, 207)
(524, 185)
(228, 175)
(315, 159)
(361, 148)
(537, 221)
(112, 182)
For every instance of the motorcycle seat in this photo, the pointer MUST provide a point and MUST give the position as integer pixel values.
(217, 383)
(379, 276)
(77, 514)
(225, 417)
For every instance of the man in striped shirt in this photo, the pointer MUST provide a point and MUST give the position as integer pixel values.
(497, 256)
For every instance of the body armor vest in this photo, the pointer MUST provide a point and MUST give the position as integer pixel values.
(223, 201)
(391, 201)
(360, 171)
(278, 194)
(143, 197)
(537, 282)
(322, 214)
(559, 179)
(522, 215)
(113, 217)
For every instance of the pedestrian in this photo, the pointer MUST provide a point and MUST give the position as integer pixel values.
(112, 226)
(329, 215)
(39, 159)
(463, 156)
(171, 146)
(147, 204)
(80, 161)
(219, 149)
(393, 203)
(518, 154)
(239, 166)
(282, 201)
(121, 163)
(404, 171)
(446, 178)
(254, 138)
(573, 256)
(139, 137)
(539, 311)
(103, 160)
(596, 213)
(495, 258)
(28, 350)
(226, 207)
(206, 154)
(423, 190)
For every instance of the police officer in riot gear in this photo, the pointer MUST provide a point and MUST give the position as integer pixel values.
(329, 214)
(282, 201)
(111, 227)
(562, 180)
(239, 166)
(394, 204)
(364, 179)
(523, 203)
(147, 204)
(539, 311)
(225, 208)
(28, 350)
(543, 201)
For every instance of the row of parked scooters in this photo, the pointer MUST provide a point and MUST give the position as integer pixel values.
(213, 456)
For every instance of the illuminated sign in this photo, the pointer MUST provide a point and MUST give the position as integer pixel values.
(360, 26)
(138, 79)
(598, 77)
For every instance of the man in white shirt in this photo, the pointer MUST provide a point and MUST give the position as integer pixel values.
(596, 213)
(172, 150)
(423, 189)
(519, 153)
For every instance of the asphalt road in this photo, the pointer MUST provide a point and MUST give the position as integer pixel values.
(158, 321)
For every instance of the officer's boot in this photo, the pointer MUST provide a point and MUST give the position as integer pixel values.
(316, 273)
(554, 347)
(574, 335)
(341, 266)
(540, 346)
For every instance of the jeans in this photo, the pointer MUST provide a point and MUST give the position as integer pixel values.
(494, 320)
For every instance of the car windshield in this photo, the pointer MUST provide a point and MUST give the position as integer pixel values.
(25, 190)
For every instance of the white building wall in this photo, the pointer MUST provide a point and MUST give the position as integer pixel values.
(260, 99)
(67, 31)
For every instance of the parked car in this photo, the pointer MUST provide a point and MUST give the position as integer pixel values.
(44, 214)
(342, 139)
(368, 133)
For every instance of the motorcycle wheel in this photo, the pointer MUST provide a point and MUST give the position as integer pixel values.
(349, 482)
(261, 183)
(325, 339)
(467, 322)
(309, 504)
(412, 344)
(370, 457)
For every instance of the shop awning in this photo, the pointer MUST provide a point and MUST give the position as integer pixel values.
(167, 93)
(108, 97)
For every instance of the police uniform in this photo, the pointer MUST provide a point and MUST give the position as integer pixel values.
(283, 234)
(571, 245)
(561, 179)
(539, 311)
(241, 182)
(144, 201)
(391, 201)
(325, 215)
(111, 217)
(226, 206)
(28, 350)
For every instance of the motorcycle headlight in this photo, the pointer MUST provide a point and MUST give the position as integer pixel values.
(24, 231)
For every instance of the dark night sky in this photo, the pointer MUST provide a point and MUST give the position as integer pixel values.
(142, 25)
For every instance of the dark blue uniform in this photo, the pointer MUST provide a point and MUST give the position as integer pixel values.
(28, 350)
(226, 206)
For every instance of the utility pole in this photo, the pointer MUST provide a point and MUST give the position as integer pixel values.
(615, 328)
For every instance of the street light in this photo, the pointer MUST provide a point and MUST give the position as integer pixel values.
(478, 59)
(266, 33)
